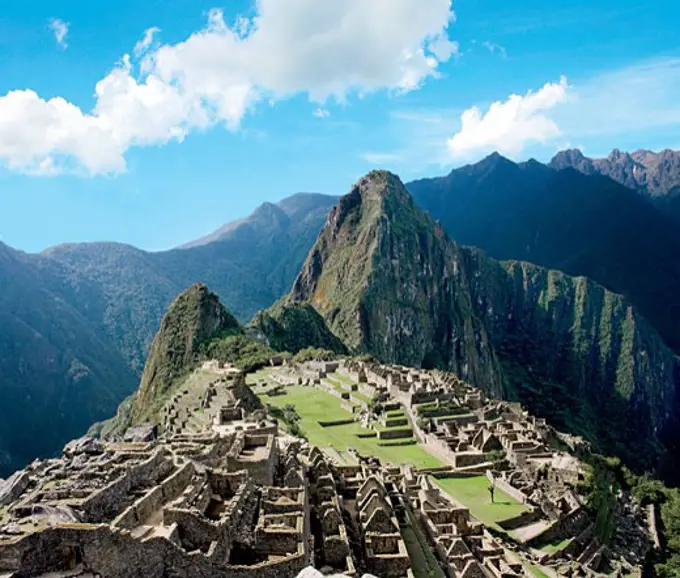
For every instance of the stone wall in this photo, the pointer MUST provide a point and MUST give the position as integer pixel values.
(507, 488)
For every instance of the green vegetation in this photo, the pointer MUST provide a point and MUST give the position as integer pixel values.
(555, 546)
(602, 486)
(474, 493)
(289, 416)
(536, 571)
(604, 471)
(423, 562)
(313, 405)
(314, 354)
(239, 350)
(496, 456)
(296, 327)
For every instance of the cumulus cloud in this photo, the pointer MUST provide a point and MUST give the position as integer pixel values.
(326, 50)
(321, 113)
(145, 43)
(510, 126)
(60, 30)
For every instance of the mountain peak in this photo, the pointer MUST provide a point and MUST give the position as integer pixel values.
(381, 184)
(569, 154)
(195, 316)
(489, 164)
(654, 174)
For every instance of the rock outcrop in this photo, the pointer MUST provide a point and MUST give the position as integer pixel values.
(388, 281)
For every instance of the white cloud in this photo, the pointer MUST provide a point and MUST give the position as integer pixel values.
(511, 125)
(60, 31)
(145, 43)
(326, 50)
(495, 48)
(321, 113)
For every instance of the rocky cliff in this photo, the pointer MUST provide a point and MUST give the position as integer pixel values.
(560, 219)
(192, 319)
(389, 281)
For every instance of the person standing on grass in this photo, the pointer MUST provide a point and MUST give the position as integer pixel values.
(492, 489)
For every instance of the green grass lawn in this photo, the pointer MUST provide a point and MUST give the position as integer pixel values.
(555, 546)
(343, 378)
(474, 493)
(536, 571)
(313, 404)
(360, 396)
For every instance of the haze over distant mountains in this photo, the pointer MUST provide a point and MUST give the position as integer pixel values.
(79, 318)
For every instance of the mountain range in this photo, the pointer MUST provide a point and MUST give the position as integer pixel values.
(654, 175)
(389, 281)
(78, 319)
(581, 224)
(81, 317)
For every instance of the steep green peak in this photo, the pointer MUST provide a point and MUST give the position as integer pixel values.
(194, 317)
(201, 311)
(381, 185)
(346, 246)
(378, 193)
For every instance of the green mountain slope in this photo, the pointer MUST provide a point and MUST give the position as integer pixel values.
(194, 317)
(77, 321)
(58, 372)
(295, 326)
(582, 225)
(390, 282)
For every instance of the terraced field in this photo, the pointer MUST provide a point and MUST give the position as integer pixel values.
(314, 405)
(474, 493)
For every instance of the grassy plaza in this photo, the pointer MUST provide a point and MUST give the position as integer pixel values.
(313, 405)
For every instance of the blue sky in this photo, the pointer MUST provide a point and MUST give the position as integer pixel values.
(229, 105)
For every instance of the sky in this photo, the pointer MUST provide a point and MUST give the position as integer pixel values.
(153, 123)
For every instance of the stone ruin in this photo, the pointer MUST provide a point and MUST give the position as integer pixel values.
(216, 490)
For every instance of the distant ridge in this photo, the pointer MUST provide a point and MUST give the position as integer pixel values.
(582, 224)
(655, 175)
(293, 207)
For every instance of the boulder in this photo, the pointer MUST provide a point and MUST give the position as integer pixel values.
(142, 433)
(85, 445)
(12, 488)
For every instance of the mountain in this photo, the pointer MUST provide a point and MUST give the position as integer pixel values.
(307, 207)
(250, 266)
(581, 224)
(295, 326)
(655, 175)
(194, 317)
(77, 320)
(388, 281)
(58, 371)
